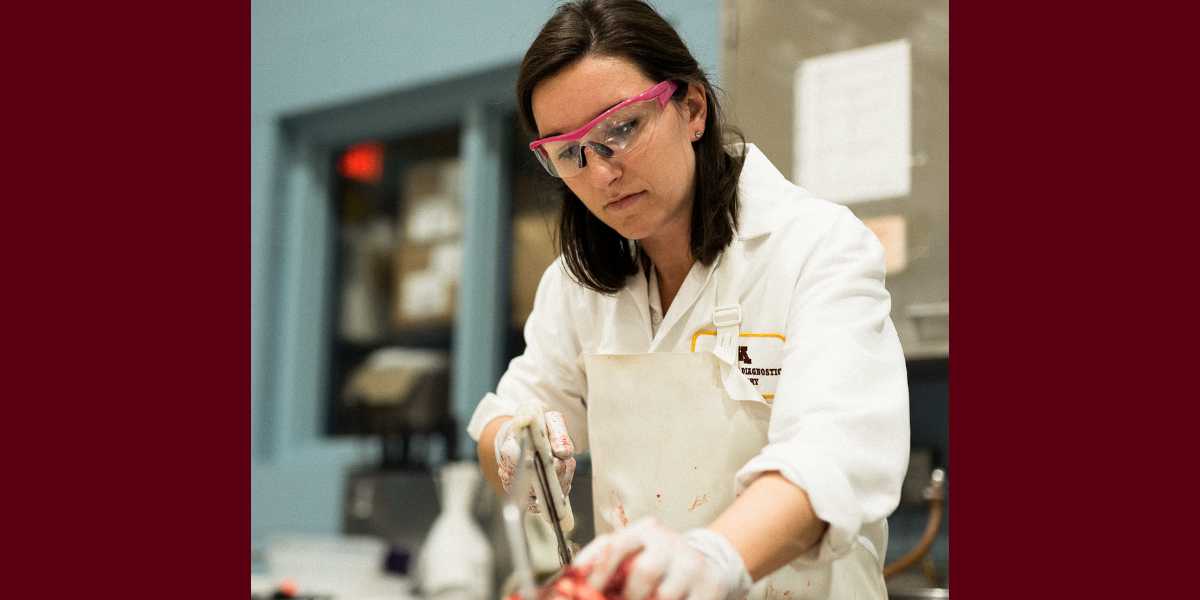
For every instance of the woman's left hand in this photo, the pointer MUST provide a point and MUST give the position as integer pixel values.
(698, 565)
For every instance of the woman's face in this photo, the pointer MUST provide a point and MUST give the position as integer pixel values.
(646, 194)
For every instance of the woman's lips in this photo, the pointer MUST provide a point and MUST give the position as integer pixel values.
(623, 202)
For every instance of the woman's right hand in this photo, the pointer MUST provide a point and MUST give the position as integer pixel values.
(560, 446)
(697, 565)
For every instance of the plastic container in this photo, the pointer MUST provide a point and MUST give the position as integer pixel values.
(455, 562)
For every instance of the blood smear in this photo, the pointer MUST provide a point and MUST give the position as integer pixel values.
(620, 513)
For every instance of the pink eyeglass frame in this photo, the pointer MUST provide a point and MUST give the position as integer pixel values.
(663, 91)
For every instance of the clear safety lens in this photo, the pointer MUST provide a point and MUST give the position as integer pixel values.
(617, 134)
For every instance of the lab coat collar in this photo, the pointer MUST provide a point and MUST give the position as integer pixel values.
(760, 186)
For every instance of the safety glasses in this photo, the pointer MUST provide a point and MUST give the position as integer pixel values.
(614, 133)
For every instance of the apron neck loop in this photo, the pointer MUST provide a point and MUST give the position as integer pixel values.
(727, 316)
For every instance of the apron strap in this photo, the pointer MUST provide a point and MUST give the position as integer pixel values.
(727, 317)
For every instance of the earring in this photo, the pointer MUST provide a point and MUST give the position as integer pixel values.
(697, 134)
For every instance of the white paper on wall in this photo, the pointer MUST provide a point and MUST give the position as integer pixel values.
(853, 123)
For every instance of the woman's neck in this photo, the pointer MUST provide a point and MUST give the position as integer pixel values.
(672, 263)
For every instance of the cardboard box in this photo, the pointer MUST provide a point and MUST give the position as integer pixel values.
(429, 256)
(532, 251)
(426, 284)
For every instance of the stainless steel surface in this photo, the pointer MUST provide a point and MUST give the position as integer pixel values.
(918, 593)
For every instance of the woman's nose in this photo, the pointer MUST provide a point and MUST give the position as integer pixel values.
(601, 170)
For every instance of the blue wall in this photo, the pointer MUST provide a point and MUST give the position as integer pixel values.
(308, 56)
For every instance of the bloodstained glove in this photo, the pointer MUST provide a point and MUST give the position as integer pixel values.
(698, 565)
(508, 451)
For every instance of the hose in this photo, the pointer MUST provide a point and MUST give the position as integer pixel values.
(936, 495)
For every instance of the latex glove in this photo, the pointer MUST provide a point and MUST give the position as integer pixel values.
(508, 452)
(698, 565)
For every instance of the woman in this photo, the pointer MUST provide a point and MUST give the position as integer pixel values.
(718, 338)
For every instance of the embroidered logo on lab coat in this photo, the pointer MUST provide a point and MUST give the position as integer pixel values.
(760, 356)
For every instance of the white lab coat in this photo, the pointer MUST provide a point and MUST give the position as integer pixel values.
(818, 343)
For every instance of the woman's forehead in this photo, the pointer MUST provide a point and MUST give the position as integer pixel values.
(582, 91)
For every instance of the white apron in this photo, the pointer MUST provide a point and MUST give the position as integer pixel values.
(669, 430)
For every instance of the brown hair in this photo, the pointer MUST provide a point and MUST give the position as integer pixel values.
(597, 256)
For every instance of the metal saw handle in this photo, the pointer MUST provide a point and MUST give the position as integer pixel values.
(531, 417)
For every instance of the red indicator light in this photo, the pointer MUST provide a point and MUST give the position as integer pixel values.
(363, 162)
